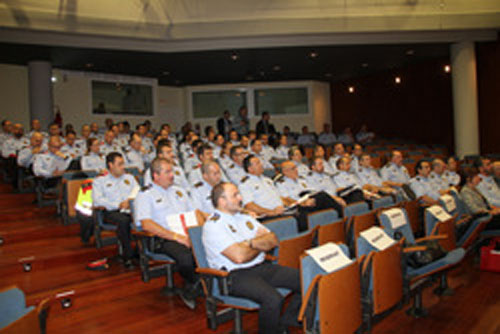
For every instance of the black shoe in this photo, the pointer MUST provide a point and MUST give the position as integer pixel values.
(188, 298)
(128, 264)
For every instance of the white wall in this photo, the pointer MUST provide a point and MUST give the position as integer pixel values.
(72, 96)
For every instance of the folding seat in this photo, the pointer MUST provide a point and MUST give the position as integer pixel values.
(25, 180)
(291, 243)
(71, 182)
(152, 263)
(215, 286)
(376, 161)
(356, 225)
(47, 190)
(382, 280)
(354, 209)
(331, 300)
(396, 224)
(330, 228)
(104, 232)
(382, 202)
(454, 205)
(15, 317)
(438, 222)
(412, 209)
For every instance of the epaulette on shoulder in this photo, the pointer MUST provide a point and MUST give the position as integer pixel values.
(417, 178)
(146, 187)
(279, 178)
(335, 174)
(199, 184)
(309, 173)
(214, 217)
(244, 178)
(231, 166)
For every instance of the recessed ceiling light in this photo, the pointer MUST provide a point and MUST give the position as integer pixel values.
(276, 68)
(53, 79)
(328, 75)
(234, 56)
(397, 80)
(447, 68)
(313, 54)
(89, 65)
(351, 89)
(262, 73)
(364, 65)
(410, 52)
(166, 73)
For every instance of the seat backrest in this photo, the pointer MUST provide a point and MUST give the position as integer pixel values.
(359, 224)
(322, 217)
(412, 211)
(284, 227)
(387, 219)
(332, 232)
(461, 209)
(72, 188)
(270, 173)
(291, 248)
(383, 202)
(197, 246)
(12, 306)
(448, 203)
(356, 209)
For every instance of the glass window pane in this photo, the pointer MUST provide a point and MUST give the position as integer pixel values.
(213, 104)
(121, 98)
(281, 101)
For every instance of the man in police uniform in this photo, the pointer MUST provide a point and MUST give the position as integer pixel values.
(136, 154)
(71, 147)
(306, 138)
(487, 186)
(153, 205)
(394, 173)
(437, 176)
(348, 185)
(338, 152)
(165, 151)
(53, 163)
(422, 185)
(369, 178)
(259, 193)
(295, 155)
(237, 243)
(327, 137)
(113, 193)
(256, 146)
(26, 156)
(15, 143)
(291, 185)
(205, 154)
(6, 131)
(211, 176)
(109, 144)
(318, 179)
(235, 171)
(451, 176)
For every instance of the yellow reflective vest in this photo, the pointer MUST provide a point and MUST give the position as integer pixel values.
(84, 198)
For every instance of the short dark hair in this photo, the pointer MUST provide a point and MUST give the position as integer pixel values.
(207, 129)
(419, 164)
(196, 143)
(111, 157)
(292, 151)
(232, 152)
(247, 161)
(217, 192)
(70, 132)
(467, 173)
(162, 143)
(156, 166)
(202, 149)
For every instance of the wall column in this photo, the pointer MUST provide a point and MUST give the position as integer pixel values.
(465, 109)
(40, 92)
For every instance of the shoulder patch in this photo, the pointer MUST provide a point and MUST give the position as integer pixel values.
(146, 187)
(244, 178)
(215, 217)
(179, 193)
(199, 184)
(231, 166)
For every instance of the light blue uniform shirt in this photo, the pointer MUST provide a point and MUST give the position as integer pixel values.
(135, 159)
(489, 189)
(452, 178)
(302, 169)
(201, 193)
(179, 177)
(368, 176)
(106, 149)
(195, 176)
(439, 181)
(25, 157)
(236, 173)
(292, 188)
(109, 191)
(307, 139)
(394, 173)
(13, 145)
(156, 203)
(327, 139)
(345, 179)
(74, 151)
(46, 164)
(424, 186)
(93, 161)
(281, 152)
(322, 182)
(261, 191)
(333, 162)
(222, 230)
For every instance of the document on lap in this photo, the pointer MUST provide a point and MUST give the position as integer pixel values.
(180, 222)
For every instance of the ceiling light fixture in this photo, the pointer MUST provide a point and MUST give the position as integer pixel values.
(364, 65)
(166, 73)
(234, 56)
(410, 52)
(447, 68)
(53, 79)
(313, 54)
(276, 68)
(397, 80)
(351, 89)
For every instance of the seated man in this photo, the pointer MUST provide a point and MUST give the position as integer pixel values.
(53, 163)
(256, 149)
(235, 171)
(327, 137)
(154, 204)
(192, 161)
(364, 136)
(437, 176)
(394, 173)
(369, 178)
(211, 176)
(26, 156)
(496, 172)
(306, 138)
(164, 150)
(136, 154)
(281, 151)
(71, 147)
(357, 151)
(422, 185)
(319, 152)
(112, 192)
(237, 243)
(13, 144)
(451, 176)
(267, 151)
(338, 152)
(291, 185)
(295, 155)
(319, 180)
(109, 144)
(349, 187)
(205, 154)
(346, 137)
(487, 186)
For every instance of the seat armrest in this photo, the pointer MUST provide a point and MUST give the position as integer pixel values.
(305, 300)
(271, 258)
(221, 275)
(432, 237)
(212, 272)
(414, 249)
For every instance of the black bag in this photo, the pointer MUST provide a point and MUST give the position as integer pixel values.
(433, 252)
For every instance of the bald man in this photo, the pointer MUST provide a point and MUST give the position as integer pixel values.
(52, 163)
(15, 143)
(27, 155)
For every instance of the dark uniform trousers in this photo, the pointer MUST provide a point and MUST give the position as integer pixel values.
(323, 201)
(259, 284)
(183, 258)
(123, 221)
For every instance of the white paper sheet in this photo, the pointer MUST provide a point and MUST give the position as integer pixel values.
(439, 213)
(377, 238)
(449, 202)
(396, 217)
(174, 223)
(329, 257)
